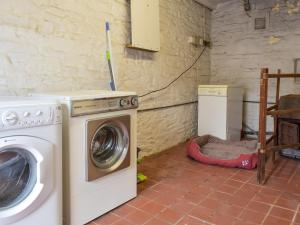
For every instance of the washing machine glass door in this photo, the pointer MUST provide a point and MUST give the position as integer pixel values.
(108, 146)
(17, 175)
(26, 177)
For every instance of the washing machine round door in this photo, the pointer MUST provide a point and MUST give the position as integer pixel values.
(25, 176)
(109, 145)
(18, 176)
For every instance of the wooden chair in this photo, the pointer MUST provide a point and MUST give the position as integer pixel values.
(270, 146)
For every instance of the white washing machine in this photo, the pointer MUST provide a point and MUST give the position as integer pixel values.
(30, 163)
(99, 140)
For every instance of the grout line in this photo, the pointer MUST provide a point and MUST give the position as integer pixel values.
(270, 209)
(293, 175)
(245, 207)
(290, 179)
(168, 207)
(267, 214)
(121, 218)
(295, 215)
(204, 221)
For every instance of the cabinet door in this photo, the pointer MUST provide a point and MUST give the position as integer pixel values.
(212, 116)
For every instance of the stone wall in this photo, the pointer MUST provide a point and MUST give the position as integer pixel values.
(239, 51)
(60, 45)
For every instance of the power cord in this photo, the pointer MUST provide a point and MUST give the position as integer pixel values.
(173, 81)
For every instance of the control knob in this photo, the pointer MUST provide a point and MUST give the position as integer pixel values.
(9, 118)
(123, 102)
(26, 114)
(39, 113)
(134, 101)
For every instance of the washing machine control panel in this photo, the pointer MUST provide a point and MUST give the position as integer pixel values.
(85, 107)
(17, 117)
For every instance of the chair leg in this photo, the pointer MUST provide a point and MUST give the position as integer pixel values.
(261, 168)
(273, 157)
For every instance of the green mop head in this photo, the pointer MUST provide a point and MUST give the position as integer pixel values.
(141, 177)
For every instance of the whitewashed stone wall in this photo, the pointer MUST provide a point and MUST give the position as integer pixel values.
(60, 45)
(239, 51)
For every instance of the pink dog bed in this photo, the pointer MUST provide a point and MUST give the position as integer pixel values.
(212, 150)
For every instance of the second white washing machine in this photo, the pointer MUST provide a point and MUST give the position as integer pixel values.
(99, 142)
(30, 162)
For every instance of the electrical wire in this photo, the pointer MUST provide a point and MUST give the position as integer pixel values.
(173, 81)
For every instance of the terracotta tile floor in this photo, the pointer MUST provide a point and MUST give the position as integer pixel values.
(184, 192)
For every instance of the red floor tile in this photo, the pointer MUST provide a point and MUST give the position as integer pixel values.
(187, 220)
(183, 206)
(250, 189)
(162, 188)
(240, 201)
(242, 177)
(222, 219)
(258, 207)
(155, 221)
(170, 216)
(265, 198)
(107, 219)
(221, 196)
(252, 216)
(297, 218)
(229, 210)
(122, 222)
(138, 217)
(289, 201)
(210, 203)
(166, 200)
(194, 197)
(271, 220)
(203, 190)
(152, 208)
(266, 190)
(139, 201)
(149, 193)
(245, 195)
(234, 183)
(282, 213)
(202, 213)
(123, 210)
(227, 189)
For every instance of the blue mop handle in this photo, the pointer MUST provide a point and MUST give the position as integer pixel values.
(107, 26)
(109, 59)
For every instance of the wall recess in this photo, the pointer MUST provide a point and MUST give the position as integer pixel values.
(260, 23)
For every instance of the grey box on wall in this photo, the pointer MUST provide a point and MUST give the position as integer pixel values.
(145, 29)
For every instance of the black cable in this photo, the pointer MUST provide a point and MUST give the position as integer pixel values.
(165, 87)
